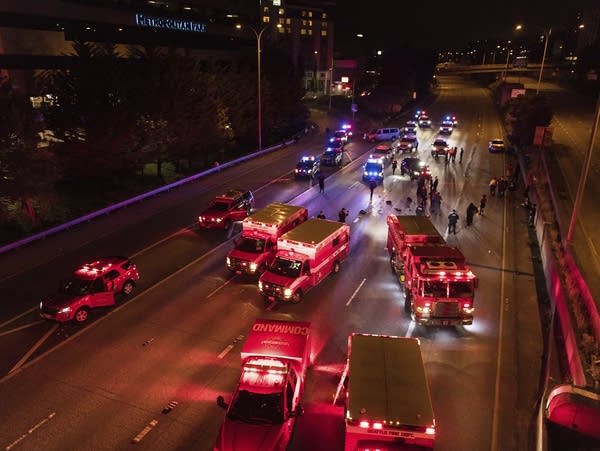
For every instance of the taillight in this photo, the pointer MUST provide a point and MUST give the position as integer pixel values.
(364, 424)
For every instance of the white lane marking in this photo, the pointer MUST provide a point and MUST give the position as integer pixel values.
(162, 240)
(26, 312)
(225, 351)
(495, 407)
(356, 292)
(213, 292)
(138, 438)
(30, 431)
(411, 329)
(33, 349)
(24, 326)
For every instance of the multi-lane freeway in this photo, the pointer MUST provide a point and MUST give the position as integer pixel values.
(102, 385)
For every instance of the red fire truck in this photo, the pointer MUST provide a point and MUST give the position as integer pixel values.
(387, 402)
(439, 287)
(266, 402)
(256, 247)
(305, 256)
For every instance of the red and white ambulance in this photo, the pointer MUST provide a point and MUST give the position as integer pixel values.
(256, 247)
(264, 407)
(305, 256)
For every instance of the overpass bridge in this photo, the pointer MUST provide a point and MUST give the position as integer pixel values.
(459, 69)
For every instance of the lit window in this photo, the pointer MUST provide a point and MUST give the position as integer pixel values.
(288, 21)
(324, 16)
(310, 23)
(310, 14)
(280, 21)
(266, 9)
(302, 31)
(304, 23)
(281, 11)
(288, 30)
(323, 24)
(280, 29)
(266, 19)
(323, 32)
(310, 32)
(303, 13)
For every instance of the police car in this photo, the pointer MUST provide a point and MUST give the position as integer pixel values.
(332, 156)
(439, 147)
(308, 166)
(424, 121)
(408, 143)
(339, 136)
(348, 129)
(373, 169)
(382, 152)
(446, 127)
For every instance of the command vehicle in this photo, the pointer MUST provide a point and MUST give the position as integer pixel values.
(438, 285)
(308, 166)
(305, 256)
(92, 285)
(387, 399)
(407, 230)
(373, 170)
(227, 208)
(256, 247)
(439, 147)
(266, 402)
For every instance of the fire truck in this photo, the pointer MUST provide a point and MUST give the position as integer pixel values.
(256, 247)
(305, 256)
(439, 287)
(387, 400)
(266, 401)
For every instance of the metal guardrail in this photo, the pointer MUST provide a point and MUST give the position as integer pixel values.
(139, 198)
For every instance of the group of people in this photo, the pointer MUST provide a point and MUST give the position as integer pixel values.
(451, 153)
(423, 196)
(342, 215)
(501, 184)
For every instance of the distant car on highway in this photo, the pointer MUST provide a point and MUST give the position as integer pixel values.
(496, 145)
(446, 127)
(227, 208)
(414, 168)
(408, 143)
(424, 121)
(332, 156)
(92, 285)
(308, 166)
(439, 147)
(382, 152)
(340, 135)
(373, 170)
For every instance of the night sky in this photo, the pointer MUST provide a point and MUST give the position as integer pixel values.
(443, 25)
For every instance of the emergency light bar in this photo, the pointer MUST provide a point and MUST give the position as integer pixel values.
(308, 158)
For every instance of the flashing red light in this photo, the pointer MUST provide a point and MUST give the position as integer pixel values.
(364, 424)
(430, 431)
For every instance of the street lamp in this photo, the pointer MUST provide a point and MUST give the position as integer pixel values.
(508, 52)
(258, 34)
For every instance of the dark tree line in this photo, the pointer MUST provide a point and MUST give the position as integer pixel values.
(112, 117)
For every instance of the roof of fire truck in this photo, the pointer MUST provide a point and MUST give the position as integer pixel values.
(313, 231)
(438, 252)
(387, 381)
(273, 214)
(416, 225)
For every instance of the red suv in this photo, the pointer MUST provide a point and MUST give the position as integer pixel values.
(92, 285)
(227, 208)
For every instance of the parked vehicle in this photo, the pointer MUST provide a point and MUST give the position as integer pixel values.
(224, 210)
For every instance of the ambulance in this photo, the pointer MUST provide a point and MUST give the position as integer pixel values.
(256, 247)
(305, 256)
(266, 402)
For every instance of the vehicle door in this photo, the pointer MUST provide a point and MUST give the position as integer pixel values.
(99, 294)
(113, 281)
(239, 210)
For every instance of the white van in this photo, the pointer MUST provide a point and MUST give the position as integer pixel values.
(382, 134)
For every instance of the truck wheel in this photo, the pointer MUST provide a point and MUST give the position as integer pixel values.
(128, 287)
(81, 315)
(297, 297)
(336, 267)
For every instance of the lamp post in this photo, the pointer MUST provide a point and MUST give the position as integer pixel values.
(546, 39)
(258, 34)
(508, 52)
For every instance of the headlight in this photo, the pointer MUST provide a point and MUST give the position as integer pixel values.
(366, 173)
(287, 292)
(260, 285)
(218, 219)
(253, 267)
(200, 218)
(65, 310)
(228, 260)
(41, 305)
(381, 174)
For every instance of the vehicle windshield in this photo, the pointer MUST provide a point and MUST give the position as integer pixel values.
(306, 165)
(219, 205)
(254, 245)
(284, 267)
(373, 167)
(339, 134)
(435, 288)
(439, 142)
(461, 289)
(257, 408)
(75, 286)
(497, 142)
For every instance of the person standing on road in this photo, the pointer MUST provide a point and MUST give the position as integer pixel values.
(394, 166)
(321, 215)
(321, 183)
(452, 221)
(532, 212)
(471, 210)
(434, 184)
(460, 155)
(482, 203)
(342, 215)
(493, 184)
(372, 186)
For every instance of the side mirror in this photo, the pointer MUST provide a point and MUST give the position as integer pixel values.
(221, 402)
